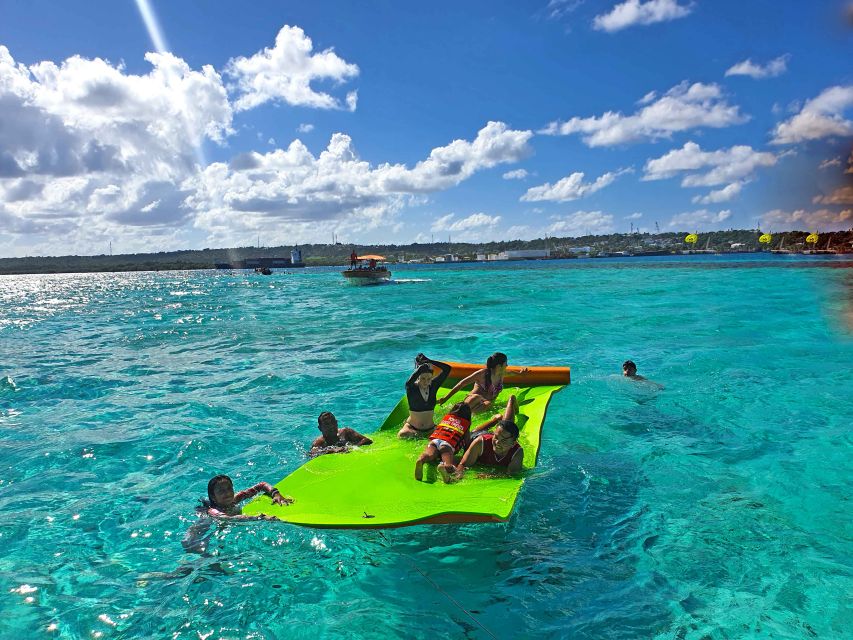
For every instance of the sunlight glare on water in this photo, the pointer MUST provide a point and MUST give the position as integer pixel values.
(716, 508)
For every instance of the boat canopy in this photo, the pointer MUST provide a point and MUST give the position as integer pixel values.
(371, 257)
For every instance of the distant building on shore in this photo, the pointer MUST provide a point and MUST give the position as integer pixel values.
(293, 262)
(519, 254)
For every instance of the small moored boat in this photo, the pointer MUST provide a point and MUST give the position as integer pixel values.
(367, 270)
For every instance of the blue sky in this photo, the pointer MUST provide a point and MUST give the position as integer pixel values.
(216, 122)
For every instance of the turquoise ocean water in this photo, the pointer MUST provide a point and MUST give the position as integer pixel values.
(716, 508)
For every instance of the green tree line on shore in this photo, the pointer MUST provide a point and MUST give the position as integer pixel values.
(338, 254)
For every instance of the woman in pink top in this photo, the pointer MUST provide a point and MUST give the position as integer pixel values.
(488, 383)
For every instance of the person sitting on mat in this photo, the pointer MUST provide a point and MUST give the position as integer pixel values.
(334, 440)
(449, 437)
(499, 449)
(223, 502)
(421, 389)
(488, 383)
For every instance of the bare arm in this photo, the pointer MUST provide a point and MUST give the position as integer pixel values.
(354, 437)
(472, 454)
(474, 377)
(441, 377)
(515, 464)
(264, 487)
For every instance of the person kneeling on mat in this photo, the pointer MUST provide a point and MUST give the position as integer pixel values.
(334, 440)
(223, 502)
(499, 449)
(448, 438)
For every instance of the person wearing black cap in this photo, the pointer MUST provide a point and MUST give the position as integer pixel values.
(629, 370)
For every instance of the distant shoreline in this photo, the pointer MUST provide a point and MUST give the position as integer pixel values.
(334, 255)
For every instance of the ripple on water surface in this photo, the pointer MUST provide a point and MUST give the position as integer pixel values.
(715, 508)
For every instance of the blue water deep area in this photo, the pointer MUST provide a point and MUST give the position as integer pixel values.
(718, 507)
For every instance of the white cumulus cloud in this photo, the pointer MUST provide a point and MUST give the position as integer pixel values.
(841, 196)
(305, 128)
(87, 150)
(293, 188)
(569, 188)
(804, 220)
(720, 195)
(732, 167)
(772, 69)
(634, 12)
(474, 221)
(700, 219)
(820, 117)
(684, 107)
(517, 174)
(582, 223)
(286, 71)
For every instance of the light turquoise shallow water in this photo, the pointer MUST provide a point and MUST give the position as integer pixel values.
(717, 508)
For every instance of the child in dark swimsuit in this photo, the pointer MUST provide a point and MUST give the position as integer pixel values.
(448, 438)
(421, 390)
(223, 502)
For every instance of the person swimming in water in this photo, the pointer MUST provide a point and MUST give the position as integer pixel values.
(629, 370)
(499, 449)
(421, 389)
(449, 437)
(488, 383)
(334, 440)
(222, 502)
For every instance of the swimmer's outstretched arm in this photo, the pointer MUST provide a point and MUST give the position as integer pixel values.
(354, 437)
(474, 377)
(264, 487)
(472, 454)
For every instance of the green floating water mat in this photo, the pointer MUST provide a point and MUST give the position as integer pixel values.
(374, 486)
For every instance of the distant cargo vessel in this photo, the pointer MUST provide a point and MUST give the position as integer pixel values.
(293, 262)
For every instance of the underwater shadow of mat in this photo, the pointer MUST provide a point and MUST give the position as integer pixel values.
(374, 487)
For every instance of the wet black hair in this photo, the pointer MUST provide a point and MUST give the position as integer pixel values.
(422, 369)
(461, 410)
(323, 415)
(510, 427)
(493, 361)
(629, 363)
(211, 487)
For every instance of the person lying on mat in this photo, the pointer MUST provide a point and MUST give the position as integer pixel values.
(421, 389)
(223, 502)
(448, 438)
(488, 383)
(629, 370)
(499, 449)
(334, 440)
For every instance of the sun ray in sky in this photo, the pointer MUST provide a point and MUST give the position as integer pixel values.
(155, 32)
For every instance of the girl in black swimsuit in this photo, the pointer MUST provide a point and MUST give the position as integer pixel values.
(421, 389)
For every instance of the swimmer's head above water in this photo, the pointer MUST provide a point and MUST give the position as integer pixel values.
(328, 425)
(220, 492)
(629, 369)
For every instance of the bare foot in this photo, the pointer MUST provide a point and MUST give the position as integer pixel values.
(446, 472)
(419, 471)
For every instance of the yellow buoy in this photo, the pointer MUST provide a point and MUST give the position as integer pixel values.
(765, 238)
(812, 238)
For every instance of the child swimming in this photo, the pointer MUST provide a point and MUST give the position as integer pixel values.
(223, 502)
(448, 438)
